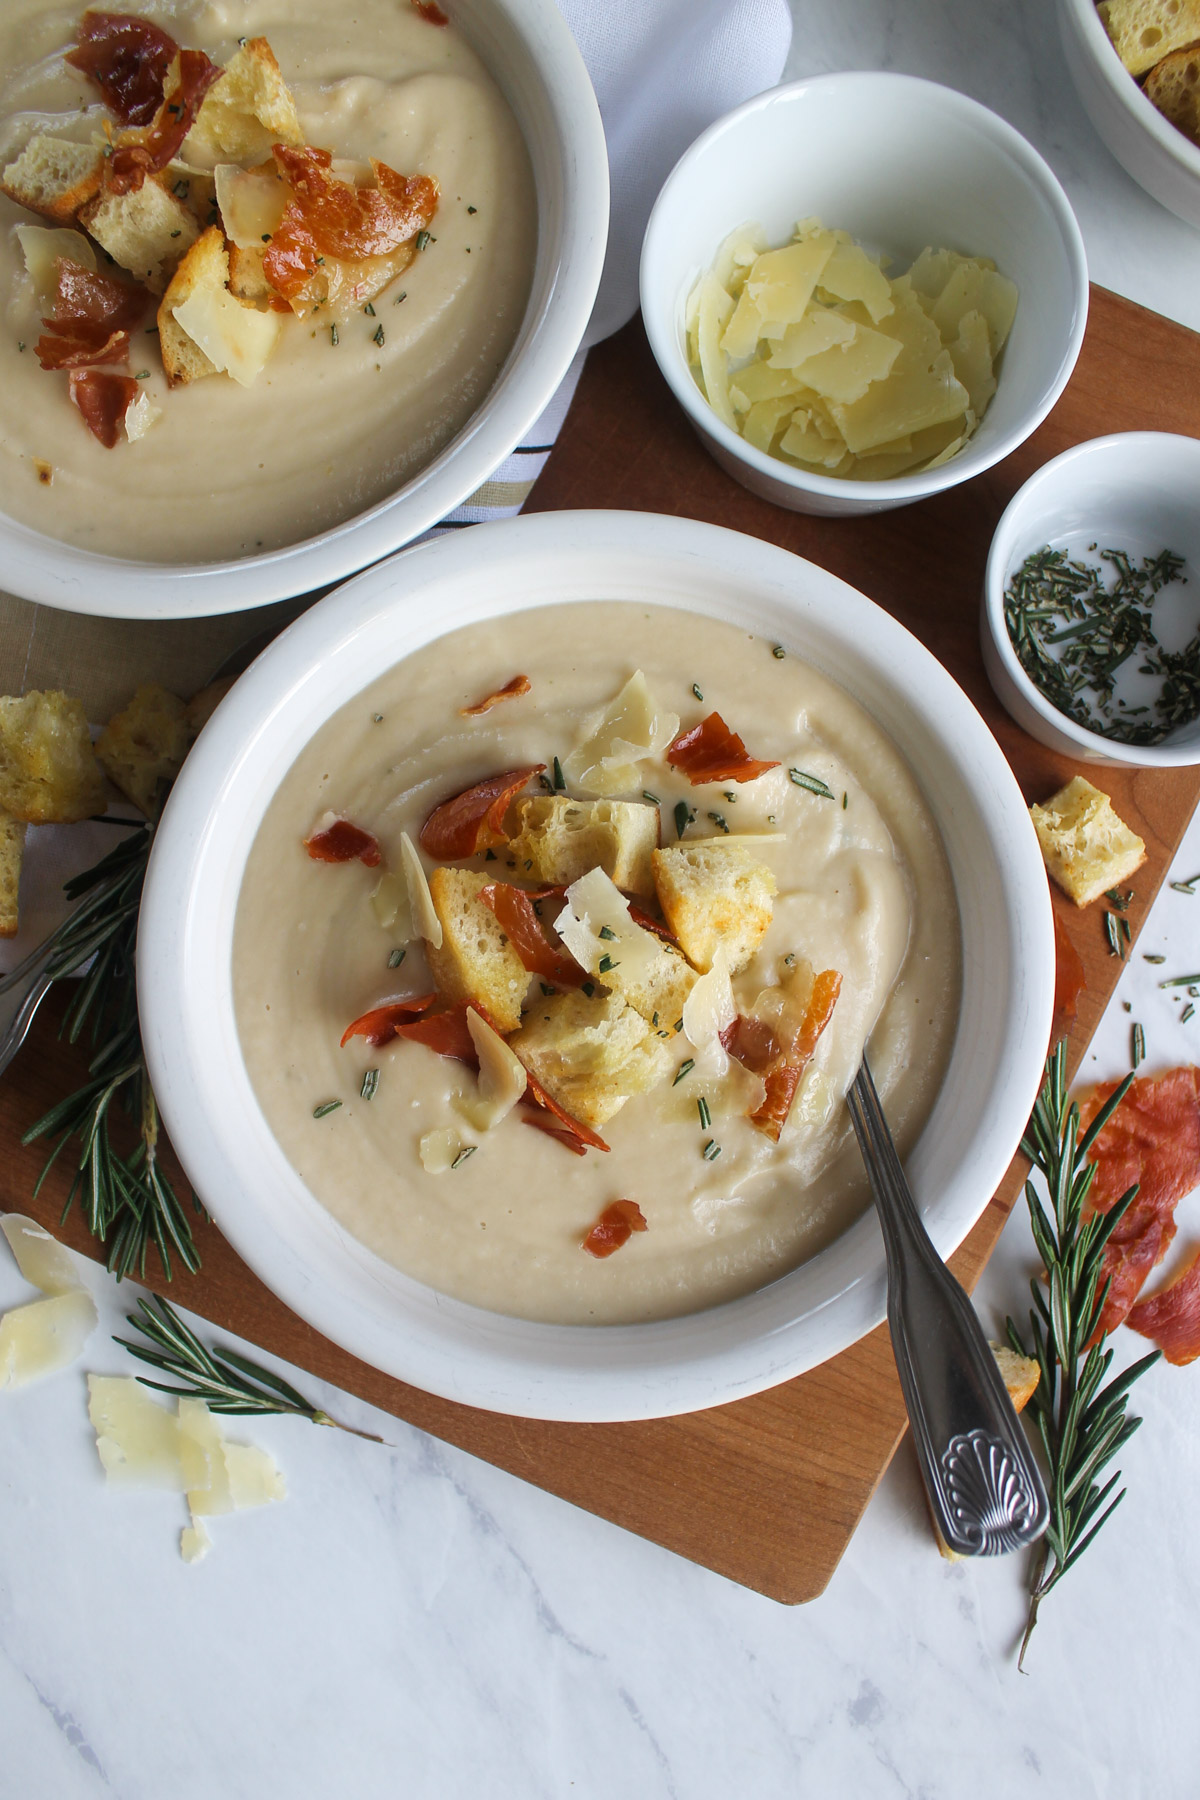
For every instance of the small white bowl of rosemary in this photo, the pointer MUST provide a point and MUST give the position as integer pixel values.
(1091, 607)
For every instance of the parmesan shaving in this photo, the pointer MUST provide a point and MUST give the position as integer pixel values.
(710, 1007)
(502, 1076)
(140, 415)
(251, 203)
(389, 903)
(45, 1336)
(420, 901)
(41, 248)
(595, 907)
(137, 1439)
(440, 1148)
(194, 1543)
(631, 729)
(235, 338)
(41, 1259)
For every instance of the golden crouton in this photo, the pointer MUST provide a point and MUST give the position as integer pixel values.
(246, 111)
(1144, 31)
(55, 177)
(713, 892)
(203, 329)
(12, 844)
(247, 279)
(563, 839)
(202, 706)
(142, 747)
(48, 771)
(591, 1054)
(656, 988)
(1174, 87)
(148, 231)
(475, 961)
(1087, 846)
(204, 268)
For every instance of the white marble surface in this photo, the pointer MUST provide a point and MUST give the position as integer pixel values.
(414, 1623)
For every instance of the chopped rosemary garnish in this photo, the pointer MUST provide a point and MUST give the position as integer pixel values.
(396, 957)
(326, 1106)
(1081, 1424)
(696, 690)
(1187, 887)
(711, 1151)
(705, 1115)
(1120, 901)
(1139, 1047)
(377, 718)
(424, 239)
(1179, 980)
(845, 801)
(728, 794)
(719, 822)
(467, 1150)
(1052, 601)
(1110, 931)
(685, 1068)
(370, 1084)
(1186, 1014)
(678, 1025)
(652, 798)
(377, 336)
(778, 652)
(333, 336)
(1150, 957)
(142, 375)
(472, 209)
(225, 1381)
(560, 781)
(683, 817)
(127, 1200)
(489, 856)
(588, 987)
(606, 931)
(606, 965)
(399, 298)
(813, 783)
(547, 988)
(369, 310)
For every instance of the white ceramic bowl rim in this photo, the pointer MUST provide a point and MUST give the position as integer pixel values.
(185, 980)
(927, 97)
(1003, 556)
(1122, 85)
(573, 220)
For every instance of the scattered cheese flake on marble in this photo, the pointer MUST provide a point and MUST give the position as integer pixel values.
(45, 1336)
(41, 1259)
(136, 1438)
(194, 1543)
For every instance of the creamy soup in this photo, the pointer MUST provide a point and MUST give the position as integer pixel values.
(328, 429)
(863, 888)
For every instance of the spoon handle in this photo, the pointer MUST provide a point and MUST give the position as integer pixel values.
(984, 1487)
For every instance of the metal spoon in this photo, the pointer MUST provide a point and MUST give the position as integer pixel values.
(984, 1487)
(22, 991)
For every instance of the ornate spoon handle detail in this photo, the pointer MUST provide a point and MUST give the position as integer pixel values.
(983, 1484)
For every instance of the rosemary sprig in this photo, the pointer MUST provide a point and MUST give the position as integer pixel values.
(225, 1381)
(126, 1199)
(1082, 1425)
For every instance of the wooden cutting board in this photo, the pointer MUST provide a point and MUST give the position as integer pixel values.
(769, 1490)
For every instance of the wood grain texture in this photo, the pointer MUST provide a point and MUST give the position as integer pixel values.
(769, 1490)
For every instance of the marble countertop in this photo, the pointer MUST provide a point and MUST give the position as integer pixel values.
(414, 1622)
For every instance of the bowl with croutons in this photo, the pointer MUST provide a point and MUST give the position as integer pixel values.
(276, 304)
(508, 948)
(1136, 68)
(862, 288)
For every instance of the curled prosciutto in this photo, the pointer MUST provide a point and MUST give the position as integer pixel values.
(340, 842)
(127, 58)
(148, 151)
(90, 317)
(474, 820)
(518, 919)
(779, 1049)
(582, 1136)
(711, 752)
(384, 1022)
(512, 690)
(615, 1226)
(329, 217)
(103, 400)
(1171, 1318)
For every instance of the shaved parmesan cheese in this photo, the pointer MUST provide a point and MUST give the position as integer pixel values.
(45, 1336)
(502, 1076)
(251, 203)
(782, 281)
(202, 1454)
(140, 415)
(595, 906)
(710, 1007)
(389, 903)
(440, 1148)
(236, 338)
(715, 308)
(820, 329)
(426, 923)
(42, 247)
(40, 1258)
(137, 1439)
(194, 1543)
(631, 730)
(850, 274)
(255, 1478)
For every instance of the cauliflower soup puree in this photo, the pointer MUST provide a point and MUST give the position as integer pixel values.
(352, 399)
(806, 880)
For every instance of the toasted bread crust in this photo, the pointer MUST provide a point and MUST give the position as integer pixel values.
(55, 177)
(48, 771)
(591, 1053)
(714, 893)
(475, 960)
(142, 748)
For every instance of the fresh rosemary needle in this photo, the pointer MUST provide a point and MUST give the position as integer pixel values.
(1082, 1425)
(225, 1381)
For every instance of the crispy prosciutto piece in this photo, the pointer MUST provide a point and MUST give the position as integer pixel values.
(565, 1137)
(1153, 1139)
(153, 148)
(343, 842)
(1069, 981)
(615, 1226)
(517, 918)
(1137, 1246)
(512, 690)
(445, 1033)
(1172, 1317)
(648, 922)
(127, 58)
(383, 1023)
(430, 12)
(474, 820)
(328, 217)
(780, 1064)
(582, 1134)
(103, 400)
(711, 752)
(90, 318)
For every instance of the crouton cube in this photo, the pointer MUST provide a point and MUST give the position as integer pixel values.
(713, 892)
(1087, 846)
(48, 771)
(591, 1054)
(1144, 31)
(1021, 1374)
(55, 177)
(565, 838)
(475, 960)
(142, 747)
(12, 845)
(658, 989)
(148, 231)
(635, 963)
(247, 111)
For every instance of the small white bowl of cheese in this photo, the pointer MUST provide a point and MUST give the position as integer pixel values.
(897, 167)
